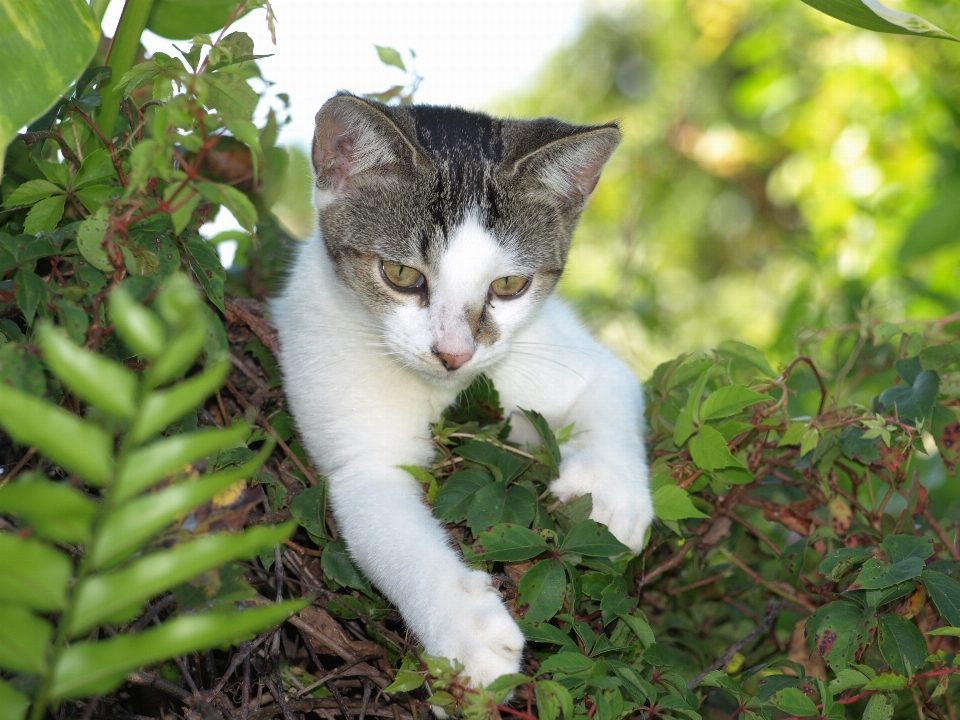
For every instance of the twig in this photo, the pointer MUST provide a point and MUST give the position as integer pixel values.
(31, 137)
(823, 388)
(783, 590)
(935, 526)
(143, 678)
(773, 609)
(19, 466)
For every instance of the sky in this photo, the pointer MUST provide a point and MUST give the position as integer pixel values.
(468, 52)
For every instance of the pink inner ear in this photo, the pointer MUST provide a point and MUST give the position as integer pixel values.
(333, 157)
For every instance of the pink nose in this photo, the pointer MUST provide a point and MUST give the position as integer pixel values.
(451, 361)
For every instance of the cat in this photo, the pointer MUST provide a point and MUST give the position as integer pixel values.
(442, 235)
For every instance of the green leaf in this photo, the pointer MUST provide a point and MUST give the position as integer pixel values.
(34, 574)
(457, 492)
(838, 562)
(887, 681)
(915, 402)
(44, 215)
(234, 200)
(206, 265)
(121, 593)
(233, 98)
(901, 644)
(90, 238)
(77, 445)
(13, 705)
(182, 19)
(746, 354)
(338, 566)
(847, 679)
(683, 428)
(727, 401)
(24, 638)
(793, 702)
(162, 407)
(934, 228)
(543, 632)
(508, 543)
(29, 290)
(870, 14)
(945, 593)
(638, 624)
(309, 509)
(406, 681)
(903, 547)
(940, 356)
(673, 503)
(54, 511)
(540, 591)
(709, 450)
(46, 46)
(139, 328)
(950, 631)
(878, 573)
(542, 427)
(92, 377)
(838, 631)
(30, 192)
(179, 355)
(878, 708)
(553, 699)
(96, 168)
(615, 600)
(389, 56)
(591, 539)
(128, 528)
(95, 668)
(719, 679)
(146, 465)
(566, 663)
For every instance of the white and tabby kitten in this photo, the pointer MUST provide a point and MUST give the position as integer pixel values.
(443, 233)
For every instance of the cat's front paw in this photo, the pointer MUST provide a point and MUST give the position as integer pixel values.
(479, 631)
(621, 496)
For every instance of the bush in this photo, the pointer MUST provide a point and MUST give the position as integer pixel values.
(805, 563)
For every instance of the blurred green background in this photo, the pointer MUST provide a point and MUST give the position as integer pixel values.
(782, 174)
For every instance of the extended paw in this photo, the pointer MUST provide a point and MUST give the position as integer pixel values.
(479, 631)
(621, 497)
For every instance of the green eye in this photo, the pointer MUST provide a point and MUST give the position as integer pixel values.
(509, 286)
(402, 277)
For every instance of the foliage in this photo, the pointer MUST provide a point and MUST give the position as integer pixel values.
(781, 173)
(124, 565)
(805, 561)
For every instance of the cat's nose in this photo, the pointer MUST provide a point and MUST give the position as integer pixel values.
(451, 361)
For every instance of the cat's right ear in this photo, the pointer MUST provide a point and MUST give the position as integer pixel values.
(355, 141)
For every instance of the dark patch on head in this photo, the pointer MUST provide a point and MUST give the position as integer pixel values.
(435, 166)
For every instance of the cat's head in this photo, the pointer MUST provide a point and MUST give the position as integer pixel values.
(451, 227)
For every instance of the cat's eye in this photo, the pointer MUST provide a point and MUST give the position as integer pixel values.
(509, 286)
(402, 277)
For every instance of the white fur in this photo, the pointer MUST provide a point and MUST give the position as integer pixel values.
(364, 390)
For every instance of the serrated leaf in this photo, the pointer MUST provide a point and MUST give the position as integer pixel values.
(839, 561)
(78, 445)
(640, 628)
(30, 192)
(878, 708)
(746, 354)
(945, 593)
(793, 702)
(915, 402)
(406, 681)
(90, 238)
(231, 95)
(878, 573)
(540, 591)
(901, 644)
(727, 401)
(95, 668)
(207, 267)
(29, 291)
(591, 539)
(389, 56)
(457, 492)
(123, 591)
(336, 564)
(552, 700)
(709, 450)
(508, 543)
(544, 632)
(673, 503)
(903, 547)
(838, 631)
(44, 215)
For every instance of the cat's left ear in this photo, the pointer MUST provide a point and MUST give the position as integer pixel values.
(568, 166)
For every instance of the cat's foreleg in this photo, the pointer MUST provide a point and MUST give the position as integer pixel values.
(394, 538)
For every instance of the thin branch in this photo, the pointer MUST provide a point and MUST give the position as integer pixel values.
(773, 610)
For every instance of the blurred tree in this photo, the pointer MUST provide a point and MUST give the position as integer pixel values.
(782, 173)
